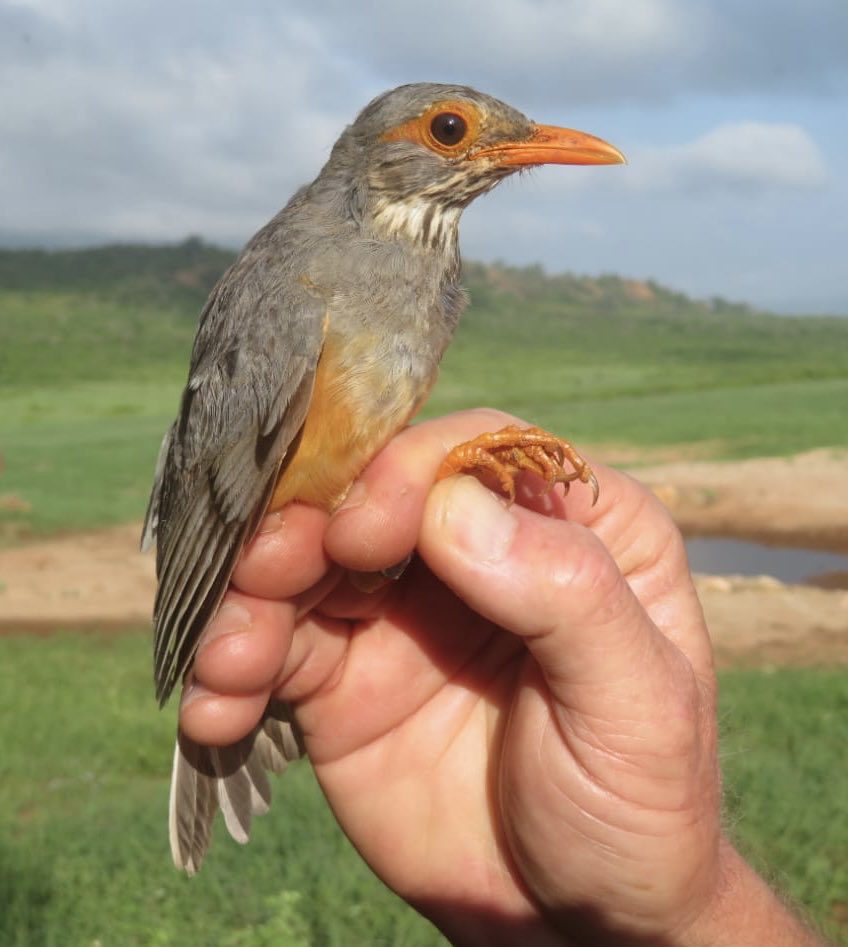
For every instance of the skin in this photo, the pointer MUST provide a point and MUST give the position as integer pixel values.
(519, 735)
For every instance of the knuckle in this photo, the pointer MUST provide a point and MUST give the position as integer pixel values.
(585, 573)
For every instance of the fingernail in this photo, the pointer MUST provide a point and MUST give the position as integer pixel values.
(191, 691)
(477, 521)
(271, 523)
(231, 618)
(356, 496)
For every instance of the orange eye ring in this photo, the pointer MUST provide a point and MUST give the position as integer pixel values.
(449, 128)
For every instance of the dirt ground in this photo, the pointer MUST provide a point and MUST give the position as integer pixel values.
(100, 580)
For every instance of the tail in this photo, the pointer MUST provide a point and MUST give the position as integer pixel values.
(232, 778)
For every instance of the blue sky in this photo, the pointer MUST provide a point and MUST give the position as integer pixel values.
(152, 120)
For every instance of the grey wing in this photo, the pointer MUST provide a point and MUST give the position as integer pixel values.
(249, 388)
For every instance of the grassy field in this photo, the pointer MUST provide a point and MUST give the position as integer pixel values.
(94, 348)
(83, 797)
(83, 813)
(93, 353)
(82, 455)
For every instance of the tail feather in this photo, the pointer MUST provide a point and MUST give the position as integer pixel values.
(231, 778)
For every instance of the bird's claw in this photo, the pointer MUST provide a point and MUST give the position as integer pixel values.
(505, 453)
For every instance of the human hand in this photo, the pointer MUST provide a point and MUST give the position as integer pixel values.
(519, 735)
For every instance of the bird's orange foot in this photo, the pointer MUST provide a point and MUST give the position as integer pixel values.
(507, 452)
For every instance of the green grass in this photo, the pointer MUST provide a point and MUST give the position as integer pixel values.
(57, 339)
(83, 796)
(745, 421)
(82, 455)
(94, 347)
(79, 448)
(83, 834)
(783, 755)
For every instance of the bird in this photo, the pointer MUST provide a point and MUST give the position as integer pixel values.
(316, 346)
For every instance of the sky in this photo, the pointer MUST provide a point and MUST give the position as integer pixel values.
(154, 120)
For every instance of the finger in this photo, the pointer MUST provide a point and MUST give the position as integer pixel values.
(377, 525)
(218, 717)
(648, 549)
(348, 600)
(218, 720)
(554, 584)
(424, 645)
(249, 650)
(286, 556)
(245, 645)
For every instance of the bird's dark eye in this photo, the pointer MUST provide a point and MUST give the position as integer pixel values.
(448, 128)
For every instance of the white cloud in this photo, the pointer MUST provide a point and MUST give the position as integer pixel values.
(533, 51)
(127, 132)
(544, 52)
(152, 119)
(742, 156)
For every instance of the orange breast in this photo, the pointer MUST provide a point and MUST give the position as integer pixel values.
(356, 407)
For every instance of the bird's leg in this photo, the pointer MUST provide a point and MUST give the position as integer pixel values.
(507, 452)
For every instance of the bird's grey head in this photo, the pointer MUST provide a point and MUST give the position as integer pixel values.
(417, 155)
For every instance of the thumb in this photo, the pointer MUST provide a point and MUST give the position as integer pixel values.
(554, 584)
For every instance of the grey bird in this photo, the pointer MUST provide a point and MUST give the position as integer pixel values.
(318, 344)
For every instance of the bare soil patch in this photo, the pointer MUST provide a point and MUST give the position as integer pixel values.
(788, 501)
(100, 580)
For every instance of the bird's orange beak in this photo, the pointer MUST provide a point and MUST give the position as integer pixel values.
(552, 145)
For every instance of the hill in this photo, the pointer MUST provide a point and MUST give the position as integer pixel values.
(185, 272)
(130, 311)
(175, 273)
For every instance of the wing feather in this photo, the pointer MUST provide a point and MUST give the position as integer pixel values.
(250, 383)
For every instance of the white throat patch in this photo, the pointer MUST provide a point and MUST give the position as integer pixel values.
(428, 223)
